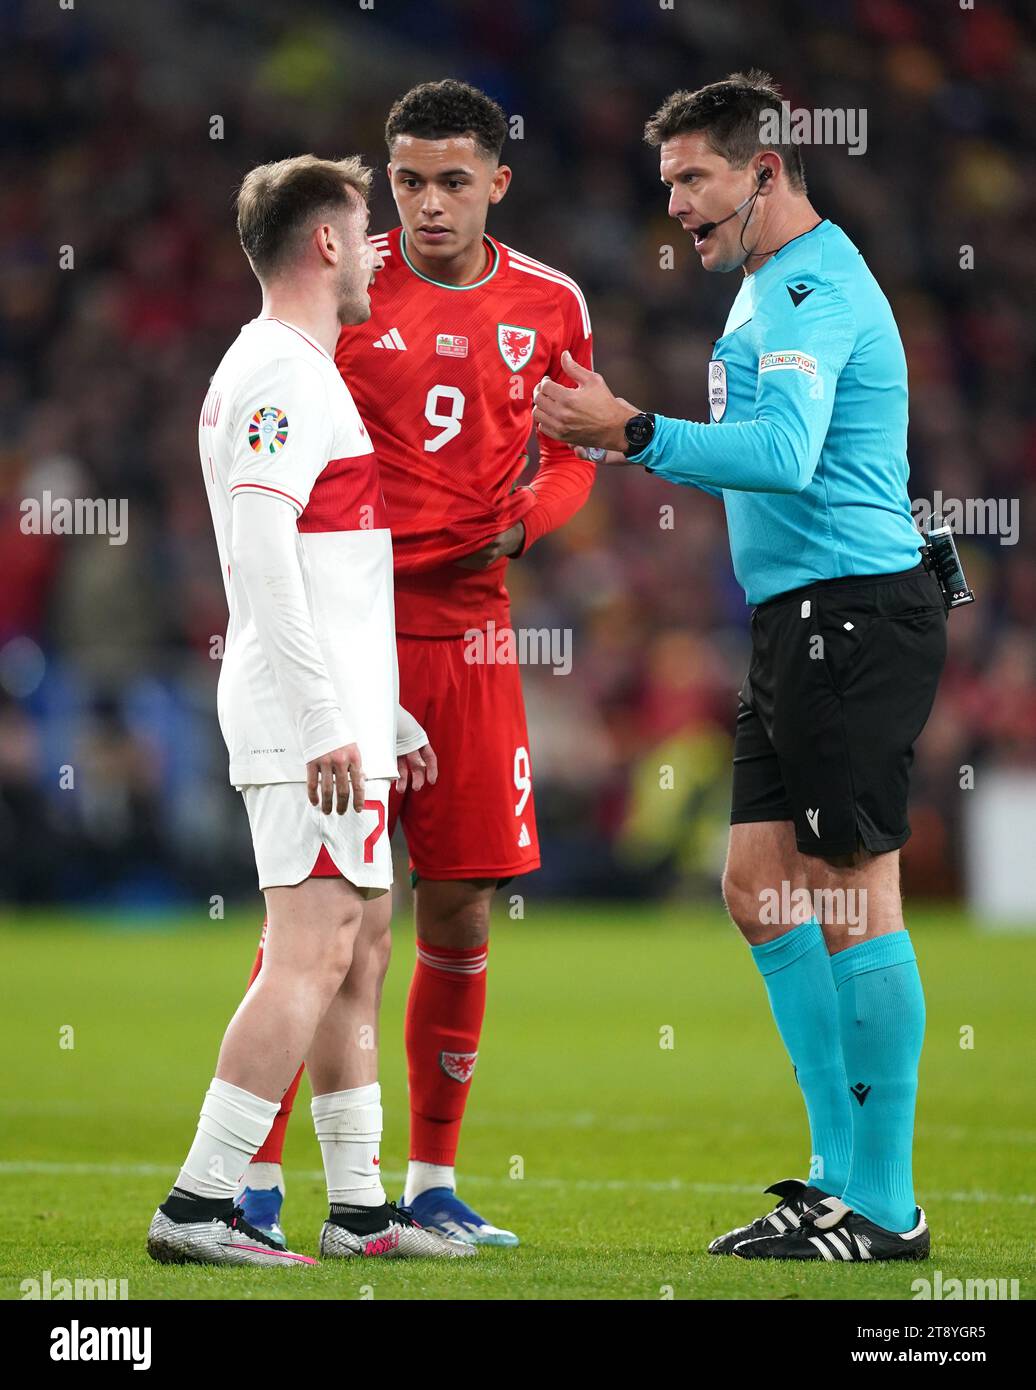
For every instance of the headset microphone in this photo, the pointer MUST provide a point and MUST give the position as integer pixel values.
(707, 228)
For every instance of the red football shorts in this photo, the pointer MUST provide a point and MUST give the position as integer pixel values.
(479, 820)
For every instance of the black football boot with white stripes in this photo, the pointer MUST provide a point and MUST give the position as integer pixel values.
(832, 1231)
(795, 1198)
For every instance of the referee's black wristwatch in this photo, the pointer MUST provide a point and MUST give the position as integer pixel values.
(639, 430)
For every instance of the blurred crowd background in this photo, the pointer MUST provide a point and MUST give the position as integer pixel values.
(107, 672)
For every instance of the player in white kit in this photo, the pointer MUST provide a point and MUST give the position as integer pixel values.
(308, 706)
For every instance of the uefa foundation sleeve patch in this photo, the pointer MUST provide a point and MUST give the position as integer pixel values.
(790, 361)
(268, 430)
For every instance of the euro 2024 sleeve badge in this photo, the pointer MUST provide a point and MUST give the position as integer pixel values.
(268, 430)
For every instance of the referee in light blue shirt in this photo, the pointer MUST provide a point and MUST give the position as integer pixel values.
(806, 445)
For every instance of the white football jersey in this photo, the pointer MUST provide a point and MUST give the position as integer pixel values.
(279, 420)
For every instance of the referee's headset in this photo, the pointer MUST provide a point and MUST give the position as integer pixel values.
(707, 228)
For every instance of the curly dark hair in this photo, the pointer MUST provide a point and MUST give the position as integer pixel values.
(436, 110)
(728, 113)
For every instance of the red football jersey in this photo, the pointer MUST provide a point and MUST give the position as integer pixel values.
(443, 377)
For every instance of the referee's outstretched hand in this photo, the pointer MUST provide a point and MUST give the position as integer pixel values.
(588, 414)
(331, 777)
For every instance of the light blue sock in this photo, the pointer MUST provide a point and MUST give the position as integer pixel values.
(797, 971)
(881, 1008)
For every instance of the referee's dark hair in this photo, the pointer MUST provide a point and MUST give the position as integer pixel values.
(437, 110)
(729, 114)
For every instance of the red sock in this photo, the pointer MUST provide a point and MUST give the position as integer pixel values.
(273, 1147)
(443, 1023)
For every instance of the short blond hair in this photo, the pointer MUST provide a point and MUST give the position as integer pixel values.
(275, 201)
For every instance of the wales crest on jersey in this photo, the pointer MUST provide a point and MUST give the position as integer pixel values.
(516, 344)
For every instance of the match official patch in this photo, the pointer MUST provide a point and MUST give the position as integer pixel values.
(791, 361)
(717, 388)
(268, 430)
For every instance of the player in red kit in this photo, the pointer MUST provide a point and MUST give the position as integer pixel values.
(462, 329)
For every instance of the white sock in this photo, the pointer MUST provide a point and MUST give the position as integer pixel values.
(421, 1177)
(231, 1128)
(261, 1177)
(348, 1126)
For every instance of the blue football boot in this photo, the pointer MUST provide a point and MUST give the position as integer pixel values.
(440, 1209)
(262, 1208)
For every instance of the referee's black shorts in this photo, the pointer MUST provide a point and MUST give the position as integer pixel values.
(842, 679)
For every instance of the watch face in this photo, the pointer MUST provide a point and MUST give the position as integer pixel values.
(639, 430)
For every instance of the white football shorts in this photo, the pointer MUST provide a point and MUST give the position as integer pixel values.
(290, 836)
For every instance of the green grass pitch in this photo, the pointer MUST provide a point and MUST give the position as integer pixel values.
(632, 1155)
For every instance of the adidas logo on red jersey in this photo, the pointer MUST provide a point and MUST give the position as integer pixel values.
(393, 340)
